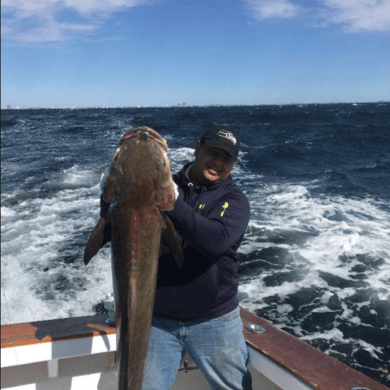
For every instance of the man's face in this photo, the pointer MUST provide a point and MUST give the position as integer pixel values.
(212, 165)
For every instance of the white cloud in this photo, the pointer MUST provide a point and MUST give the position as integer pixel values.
(265, 9)
(359, 15)
(351, 15)
(39, 21)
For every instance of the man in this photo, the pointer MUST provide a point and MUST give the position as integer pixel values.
(196, 309)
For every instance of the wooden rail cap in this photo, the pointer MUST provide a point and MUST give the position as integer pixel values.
(54, 330)
(309, 364)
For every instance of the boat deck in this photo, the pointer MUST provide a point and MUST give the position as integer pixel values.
(278, 359)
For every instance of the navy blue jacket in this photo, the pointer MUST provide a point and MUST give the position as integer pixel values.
(211, 222)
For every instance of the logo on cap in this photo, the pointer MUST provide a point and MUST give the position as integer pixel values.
(228, 135)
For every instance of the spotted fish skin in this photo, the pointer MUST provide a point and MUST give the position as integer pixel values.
(139, 187)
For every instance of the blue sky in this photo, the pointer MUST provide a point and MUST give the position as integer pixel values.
(162, 52)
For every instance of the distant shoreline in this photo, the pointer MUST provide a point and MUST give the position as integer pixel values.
(185, 106)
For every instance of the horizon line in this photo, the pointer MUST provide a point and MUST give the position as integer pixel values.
(184, 105)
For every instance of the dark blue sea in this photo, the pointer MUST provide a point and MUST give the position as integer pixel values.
(315, 260)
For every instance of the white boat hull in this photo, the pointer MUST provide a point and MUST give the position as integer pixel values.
(79, 354)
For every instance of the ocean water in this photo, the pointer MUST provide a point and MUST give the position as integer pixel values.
(315, 260)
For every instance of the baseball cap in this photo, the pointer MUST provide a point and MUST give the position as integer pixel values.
(224, 137)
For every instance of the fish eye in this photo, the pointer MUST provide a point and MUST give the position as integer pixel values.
(116, 155)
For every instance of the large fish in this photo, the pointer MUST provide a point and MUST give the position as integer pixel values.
(139, 187)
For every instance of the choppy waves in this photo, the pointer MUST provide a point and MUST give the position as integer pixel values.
(315, 259)
(319, 268)
(41, 253)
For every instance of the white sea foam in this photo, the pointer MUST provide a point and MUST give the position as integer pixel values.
(43, 275)
(327, 235)
(178, 157)
(39, 249)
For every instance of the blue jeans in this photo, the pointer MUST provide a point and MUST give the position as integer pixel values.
(217, 346)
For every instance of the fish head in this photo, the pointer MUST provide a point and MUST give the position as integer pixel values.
(140, 172)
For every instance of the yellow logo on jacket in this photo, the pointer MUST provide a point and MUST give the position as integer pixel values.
(224, 207)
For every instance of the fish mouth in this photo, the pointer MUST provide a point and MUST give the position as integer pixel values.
(145, 133)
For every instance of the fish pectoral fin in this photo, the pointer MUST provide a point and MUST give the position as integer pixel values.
(101, 234)
(171, 239)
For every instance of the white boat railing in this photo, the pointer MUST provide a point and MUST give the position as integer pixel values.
(80, 353)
